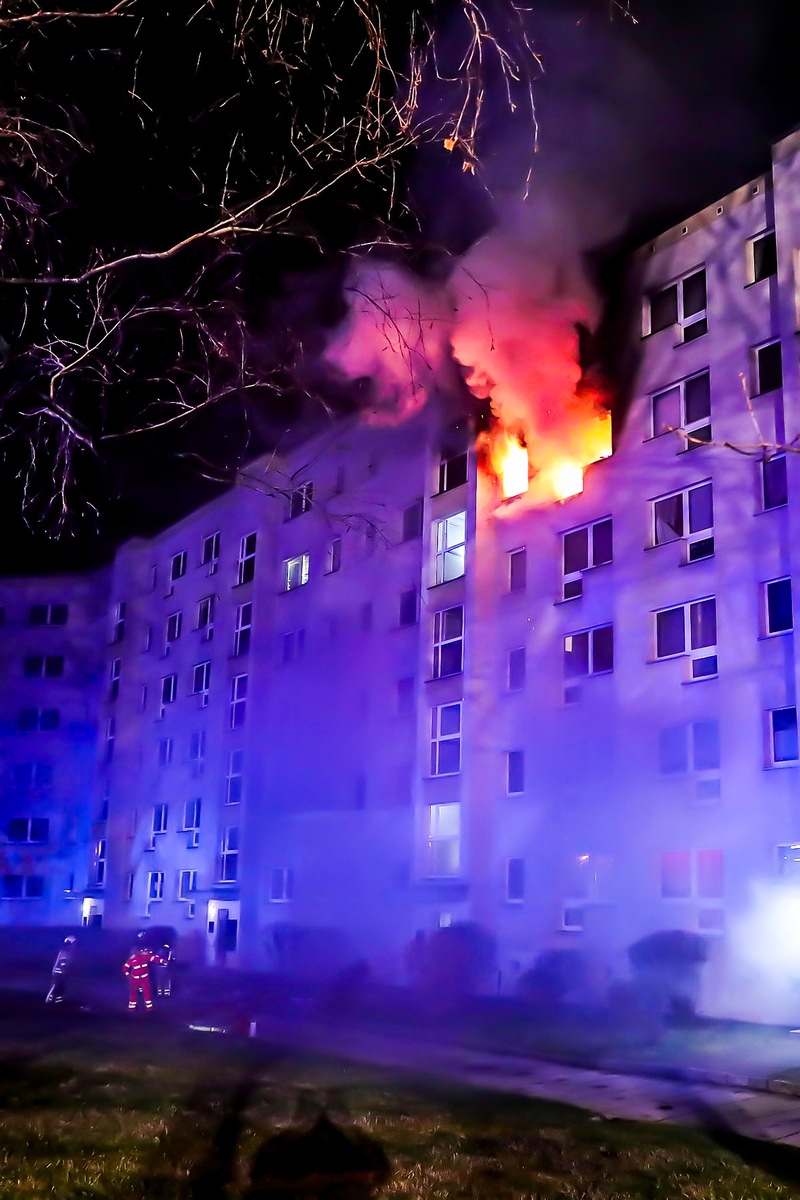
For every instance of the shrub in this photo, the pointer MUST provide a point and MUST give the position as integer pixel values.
(554, 975)
(666, 970)
(454, 961)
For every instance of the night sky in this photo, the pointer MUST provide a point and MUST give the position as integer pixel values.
(162, 117)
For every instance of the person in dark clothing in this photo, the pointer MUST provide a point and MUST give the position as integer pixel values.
(163, 971)
(62, 968)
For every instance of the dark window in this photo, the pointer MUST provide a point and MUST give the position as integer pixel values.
(177, 566)
(673, 756)
(706, 745)
(765, 257)
(43, 666)
(516, 771)
(515, 879)
(300, 500)
(405, 694)
(589, 653)
(452, 472)
(517, 570)
(773, 474)
(664, 309)
(784, 734)
(769, 368)
(779, 606)
(516, 668)
(412, 521)
(48, 614)
(408, 607)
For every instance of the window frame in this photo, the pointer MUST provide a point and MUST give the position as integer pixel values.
(285, 893)
(447, 550)
(229, 855)
(177, 566)
(682, 321)
(299, 500)
(297, 567)
(438, 738)
(246, 561)
(591, 633)
(766, 631)
(238, 701)
(519, 890)
(441, 641)
(572, 581)
(436, 838)
(234, 771)
(770, 464)
(688, 431)
(688, 538)
(757, 368)
(694, 654)
(209, 552)
(515, 763)
(773, 760)
(201, 681)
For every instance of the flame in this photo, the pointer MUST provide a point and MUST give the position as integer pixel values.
(566, 479)
(506, 458)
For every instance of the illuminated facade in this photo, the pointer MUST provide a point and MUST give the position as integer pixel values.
(362, 694)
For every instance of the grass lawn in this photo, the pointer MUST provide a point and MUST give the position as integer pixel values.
(129, 1109)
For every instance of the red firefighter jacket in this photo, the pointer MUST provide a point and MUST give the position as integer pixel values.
(138, 965)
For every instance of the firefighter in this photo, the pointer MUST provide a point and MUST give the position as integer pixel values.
(137, 970)
(163, 971)
(61, 969)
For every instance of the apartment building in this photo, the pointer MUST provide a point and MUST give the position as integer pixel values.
(362, 695)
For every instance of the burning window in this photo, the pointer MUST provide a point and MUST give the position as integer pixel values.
(783, 747)
(767, 368)
(684, 407)
(295, 572)
(590, 546)
(450, 537)
(778, 616)
(686, 515)
(444, 840)
(446, 739)
(690, 629)
(299, 501)
(448, 642)
(773, 481)
(682, 304)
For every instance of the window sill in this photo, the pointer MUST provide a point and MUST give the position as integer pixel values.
(760, 512)
(446, 582)
(444, 775)
(699, 679)
(779, 633)
(781, 766)
(567, 599)
(439, 678)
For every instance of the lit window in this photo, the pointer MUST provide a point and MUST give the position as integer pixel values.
(515, 772)
(689, 629)
(281, 885)
(682, 304)
(246, 562)
(446, 739)
(773, 481)
(517, 570)
(767, 368)
(778, 615)
(515, 880)
(201, 681)
(450, 536)
(295, 572)
(299, 500)
(590, 652)
(229, 855)
(516, 669)
(783, 735)
(686, 407)
(177, 566)
(210, 555)
(238, 706)
(444, 840)
(687, 515)
(589, 546)
(448, 642)
(234, 777)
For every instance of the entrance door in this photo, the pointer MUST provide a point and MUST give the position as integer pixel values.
(222, 931)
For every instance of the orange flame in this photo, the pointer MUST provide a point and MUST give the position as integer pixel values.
(508, 459)
(557, 473)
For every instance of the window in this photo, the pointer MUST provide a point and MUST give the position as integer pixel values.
(446, 739)
(191, 816)
(155, 885)
(405, 695)
(693, 746)
(48, 614)
(114, 678)
(333, 556)
(783, 735)
(515, 880)
(32, 775)
(166, 748)
(281, 885)
(160, 813)
(109, 739)
(197, 746)
(589, 546)
(187, 885)
(205, 616)
(516, 669)
(763, 257)
(292, 646)
(99, 871)
(517, 570)
(412, 521)
(118, 627)
(174, 626)
(515, 772)
(452, 472)
(229, 855)
(43, 666)
(692, 875)
(169, 689)
(38, 720)
(295, 572)
(686, 515)
(201, 681)
(210, 554)
(143, 700)
(589, 653)
(778, 615)
(767, 368)
(685, 406)
(238, 707)
(147, 638)
(683, 303)
(28, 829)
(177, 566)
(448, 642)
(246, 563)
(773, 480)
(234, 777)
(450, 536)
(408, 607)
(300, 500)
(444, 839)
(22, 887)
(690, 629)
(584, 881)
(128, 893)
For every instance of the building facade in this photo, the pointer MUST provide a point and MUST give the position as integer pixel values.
(361, 695)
